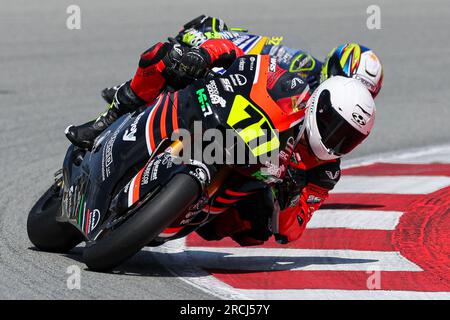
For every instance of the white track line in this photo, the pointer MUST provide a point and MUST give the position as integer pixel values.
(270, 259)
(424, 159)
(178, 261)
(355, 219)
(422, 155)
(391, 185)
(316, 294)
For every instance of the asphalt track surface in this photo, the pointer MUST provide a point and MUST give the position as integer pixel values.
(51, 77)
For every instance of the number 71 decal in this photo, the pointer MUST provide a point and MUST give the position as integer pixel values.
(252, 126)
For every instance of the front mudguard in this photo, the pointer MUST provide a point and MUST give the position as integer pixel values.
(153, 176)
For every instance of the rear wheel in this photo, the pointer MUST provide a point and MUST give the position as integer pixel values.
(142, 227)
(44, 231)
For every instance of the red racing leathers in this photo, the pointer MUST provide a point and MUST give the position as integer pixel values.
(153, 73)
(287, 89)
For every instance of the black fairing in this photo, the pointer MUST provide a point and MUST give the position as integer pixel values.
(91, 178)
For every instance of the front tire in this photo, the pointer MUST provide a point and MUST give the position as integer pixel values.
(147, 223)
(44, 231)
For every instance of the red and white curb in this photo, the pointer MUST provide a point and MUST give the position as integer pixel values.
(388, 219)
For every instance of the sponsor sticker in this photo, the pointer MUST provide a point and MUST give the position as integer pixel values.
(203, 101)
(252, 63)
(332, 175)
(146, 174)
(200, 174)
(296, 82)
(359, 119)
(238, 79)
(294, 201)
(241, 64)
(369, 84)
(214, 94)
(226, 84)
(275, 41)
(94, 219)
(155, 168)
(215, 99)
(313, 199)
(241, 39)
(107, 155)
(360, 116)
(273, 64)
(130, 134)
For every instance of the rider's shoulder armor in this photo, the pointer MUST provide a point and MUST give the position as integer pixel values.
(282, 84)
(296, 61)
(293, 60)
(325, 175)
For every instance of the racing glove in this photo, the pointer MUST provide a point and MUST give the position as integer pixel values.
(195, 62)
(292, 185)
(288, 224)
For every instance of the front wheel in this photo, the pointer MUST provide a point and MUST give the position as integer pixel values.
(44, 231)
(141, 228)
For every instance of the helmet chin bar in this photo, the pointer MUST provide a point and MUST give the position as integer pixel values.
(316, 151)
(330, 151)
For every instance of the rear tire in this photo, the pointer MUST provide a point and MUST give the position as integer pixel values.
(141, 228)
(44, 231)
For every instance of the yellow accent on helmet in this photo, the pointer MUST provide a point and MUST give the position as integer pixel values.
(346, 58)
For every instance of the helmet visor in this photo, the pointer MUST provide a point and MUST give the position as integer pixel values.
(334, 67)
(337, 135)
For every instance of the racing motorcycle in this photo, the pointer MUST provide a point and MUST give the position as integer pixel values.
(129, 191)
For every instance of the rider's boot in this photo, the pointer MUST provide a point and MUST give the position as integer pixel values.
(124, 101)
(109, 93)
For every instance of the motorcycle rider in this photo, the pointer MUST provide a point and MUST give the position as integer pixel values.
(330, 133)
(339, 116)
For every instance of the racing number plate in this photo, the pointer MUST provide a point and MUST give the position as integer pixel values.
(252, 126)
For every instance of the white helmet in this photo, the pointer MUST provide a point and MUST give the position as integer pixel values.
(340, 115)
